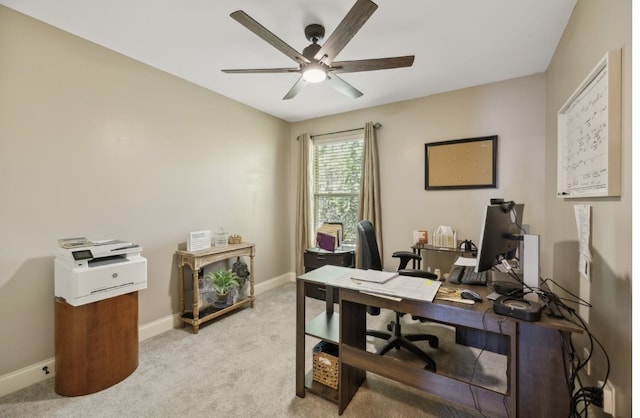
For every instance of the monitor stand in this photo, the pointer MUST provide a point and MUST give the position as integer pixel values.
(529, 272)
(531, 264)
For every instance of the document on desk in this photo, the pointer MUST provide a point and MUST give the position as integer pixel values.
(465, 261)
(404, 287)
(375, 276)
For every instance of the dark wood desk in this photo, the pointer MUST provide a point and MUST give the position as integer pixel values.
(536, 384)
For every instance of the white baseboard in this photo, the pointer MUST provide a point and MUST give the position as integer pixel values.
(35, 373)
(275, 282)
(27, 376)
(158, 326)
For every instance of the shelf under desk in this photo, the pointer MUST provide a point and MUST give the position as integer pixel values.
(325, 327)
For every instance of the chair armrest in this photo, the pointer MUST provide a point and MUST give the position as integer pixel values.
(405, 257)
(406, 254)
(418, 273)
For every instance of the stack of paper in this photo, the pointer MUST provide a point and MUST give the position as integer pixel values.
(465, 261)
(400, 287)
(375, 276)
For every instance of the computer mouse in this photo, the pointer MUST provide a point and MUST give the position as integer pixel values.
(470, 294)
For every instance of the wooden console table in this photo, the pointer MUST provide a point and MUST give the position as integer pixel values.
(196, 260)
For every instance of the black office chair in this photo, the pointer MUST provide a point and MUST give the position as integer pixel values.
(370, 256)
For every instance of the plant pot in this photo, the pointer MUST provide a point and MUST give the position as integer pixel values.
(222, 301)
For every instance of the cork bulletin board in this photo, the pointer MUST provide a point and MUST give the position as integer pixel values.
(461, 164)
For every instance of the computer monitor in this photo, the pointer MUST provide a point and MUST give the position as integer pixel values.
(501, 234)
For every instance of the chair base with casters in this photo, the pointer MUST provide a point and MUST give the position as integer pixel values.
(371, 260)
(398, 341)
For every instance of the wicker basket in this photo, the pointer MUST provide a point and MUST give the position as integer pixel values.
(235, 239)
(325, 364)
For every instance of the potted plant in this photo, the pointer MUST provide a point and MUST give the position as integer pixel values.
(223, 281)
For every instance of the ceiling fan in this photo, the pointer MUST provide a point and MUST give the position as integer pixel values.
(317, 63)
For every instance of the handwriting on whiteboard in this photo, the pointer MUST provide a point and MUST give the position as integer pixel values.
(585, 154)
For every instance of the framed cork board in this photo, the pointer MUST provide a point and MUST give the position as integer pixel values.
(461, 163)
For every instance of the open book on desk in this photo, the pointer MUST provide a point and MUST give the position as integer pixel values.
(403, 287)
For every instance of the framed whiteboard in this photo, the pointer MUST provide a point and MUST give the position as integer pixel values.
(589, 134)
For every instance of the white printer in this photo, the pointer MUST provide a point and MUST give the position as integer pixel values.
(89, 271)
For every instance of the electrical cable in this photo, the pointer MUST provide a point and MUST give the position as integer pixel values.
(475, 363)
(582, 396)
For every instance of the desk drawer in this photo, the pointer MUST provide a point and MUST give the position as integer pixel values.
(318, 291)
(313, 260)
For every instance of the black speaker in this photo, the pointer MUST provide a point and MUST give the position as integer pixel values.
(517, 308)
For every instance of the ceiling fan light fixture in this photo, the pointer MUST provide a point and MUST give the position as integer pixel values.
(314, 73)
(317, 62)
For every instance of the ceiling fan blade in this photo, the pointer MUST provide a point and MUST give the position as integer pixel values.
(343, 87)
(350, 25)
(262, 70)
(255, 27)
(297, 88)
(371, 64)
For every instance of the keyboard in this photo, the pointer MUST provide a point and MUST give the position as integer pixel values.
(467, 275)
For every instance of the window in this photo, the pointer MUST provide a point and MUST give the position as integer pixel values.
(337, 176)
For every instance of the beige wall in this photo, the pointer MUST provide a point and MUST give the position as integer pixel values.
(95, 144)
(513, 110)
(595, 27)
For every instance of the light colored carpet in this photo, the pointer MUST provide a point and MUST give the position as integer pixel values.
(243, 365)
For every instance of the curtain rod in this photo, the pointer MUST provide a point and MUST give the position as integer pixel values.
(376, 125)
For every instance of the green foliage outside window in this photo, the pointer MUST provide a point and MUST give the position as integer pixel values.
(337, 179)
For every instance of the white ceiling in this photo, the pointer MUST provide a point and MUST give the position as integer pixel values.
(456, 43)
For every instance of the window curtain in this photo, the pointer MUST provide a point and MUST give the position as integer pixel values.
(370, 190)
(304, 209)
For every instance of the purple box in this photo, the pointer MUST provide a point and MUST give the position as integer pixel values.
(326, 242)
